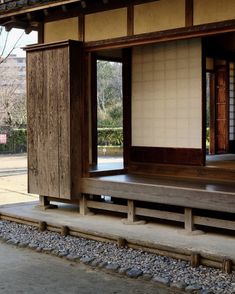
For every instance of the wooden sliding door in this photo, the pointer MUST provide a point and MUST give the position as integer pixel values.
(221, 110)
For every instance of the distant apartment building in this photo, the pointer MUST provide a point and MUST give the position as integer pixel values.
(13, 75)
(12, 80)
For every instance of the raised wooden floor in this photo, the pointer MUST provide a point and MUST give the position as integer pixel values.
(186, 194)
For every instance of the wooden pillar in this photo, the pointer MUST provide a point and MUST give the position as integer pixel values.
(227, 266)
(188, 220)
(131, 211)
(83, 205)
(195, 259)
(44, 201)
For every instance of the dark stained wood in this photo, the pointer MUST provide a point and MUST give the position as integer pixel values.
(163, 36)
(188, 13)
(183, 171)
(81, 23)
(185, 156)
(94, 135)
(85, 113)
(203, 101)
(212, 113)
(130, 20)
(127, 89)
(221, 108)
(77, 126)
(54, 127)
(41, 33)
(190, 194)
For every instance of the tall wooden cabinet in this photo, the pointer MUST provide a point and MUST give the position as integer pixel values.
(54, 97)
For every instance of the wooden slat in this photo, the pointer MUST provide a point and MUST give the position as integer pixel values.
(62, 90)
(212, 222)
(167, 215)
(51, 116)
(107, 206)
(188, 221)
(34, 89)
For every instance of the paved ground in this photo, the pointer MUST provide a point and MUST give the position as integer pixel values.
(13, 179)
(25, 271)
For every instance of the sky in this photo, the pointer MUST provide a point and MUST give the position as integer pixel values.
(13, 37)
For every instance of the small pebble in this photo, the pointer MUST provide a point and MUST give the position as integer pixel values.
(164, 281)
(134, 273)
(112, 267)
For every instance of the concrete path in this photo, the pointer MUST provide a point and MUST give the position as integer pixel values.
(99, 224)
(13, 179)
(25, 271)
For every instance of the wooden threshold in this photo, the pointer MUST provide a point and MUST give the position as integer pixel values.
(197, 173)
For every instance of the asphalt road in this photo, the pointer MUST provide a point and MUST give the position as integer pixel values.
(28, 272)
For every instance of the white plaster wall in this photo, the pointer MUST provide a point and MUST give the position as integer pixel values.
(166, 95)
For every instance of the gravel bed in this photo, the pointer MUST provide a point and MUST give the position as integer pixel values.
(134, 263)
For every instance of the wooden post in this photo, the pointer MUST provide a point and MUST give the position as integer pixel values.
(195, 259)
(227, 266)
(42, 226)
(64, 231)
(44, 201)
(188, 221)
(131, 211)
(83, 205)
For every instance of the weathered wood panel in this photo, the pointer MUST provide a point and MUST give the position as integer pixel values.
(35, 89)
(54, 108)
(64, 131)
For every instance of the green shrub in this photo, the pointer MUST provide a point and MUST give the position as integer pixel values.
(110, 137)
(16, 141)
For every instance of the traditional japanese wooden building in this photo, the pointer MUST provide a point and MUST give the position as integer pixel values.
(178, 60)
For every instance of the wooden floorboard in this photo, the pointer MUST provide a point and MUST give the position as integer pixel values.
(186, 193)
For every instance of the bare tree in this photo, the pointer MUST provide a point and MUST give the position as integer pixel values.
(12, 98)
(4, 36)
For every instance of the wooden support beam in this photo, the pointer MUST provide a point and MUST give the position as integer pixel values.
(83, 4)
(46, 12)
(64, 8)
(29, 16)
(130, 20)
(81, 27)
(44, 200)
(188, 220)
(131, 211)
(188, 13)
(83, 208)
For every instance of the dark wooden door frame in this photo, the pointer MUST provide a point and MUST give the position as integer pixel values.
(226, 110)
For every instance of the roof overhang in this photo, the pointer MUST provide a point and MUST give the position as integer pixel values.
(28, 14)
